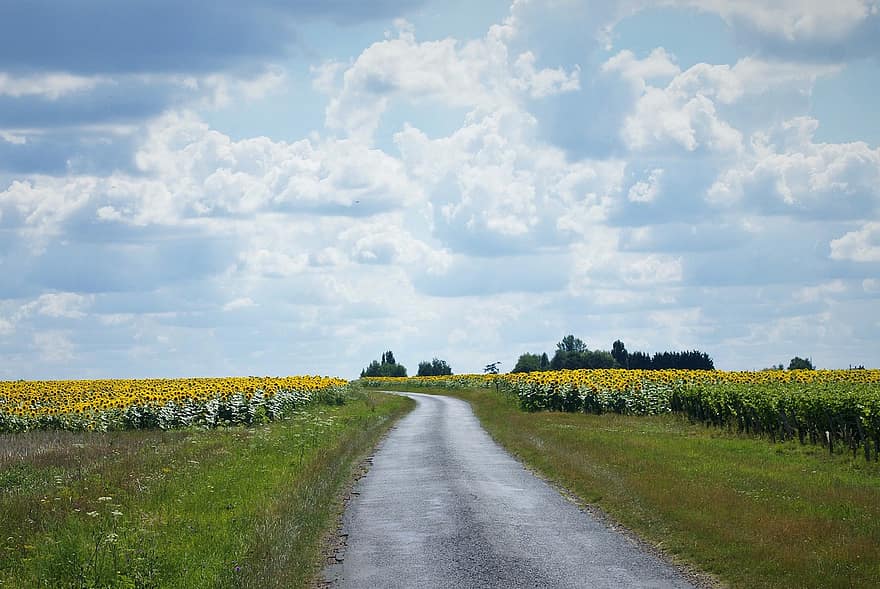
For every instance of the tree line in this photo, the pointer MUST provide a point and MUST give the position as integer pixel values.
(388, 366)
(572, 353)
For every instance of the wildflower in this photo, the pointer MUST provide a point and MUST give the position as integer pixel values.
(92, 513)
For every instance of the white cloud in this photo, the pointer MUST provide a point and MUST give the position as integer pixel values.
(492, 178)
(821, 292)
(651, 270)
(6, 327)
(54, 347)
(794, 20)
(474, 75)
(239, 303)
(685, 111)
(839, 179)
(862, 245)
(646, 191)
(659, 64)
(51, 86)
(13, 137)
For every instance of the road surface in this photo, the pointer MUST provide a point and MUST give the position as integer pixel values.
(444, 506)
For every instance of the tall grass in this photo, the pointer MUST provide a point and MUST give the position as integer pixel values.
(237, 507)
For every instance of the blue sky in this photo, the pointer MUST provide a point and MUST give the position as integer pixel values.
(218, 188)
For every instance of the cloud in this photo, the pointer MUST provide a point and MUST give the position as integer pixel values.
(862, 245)
(161, 35)
(786, 171)
(63, 304)
(239, 303)
(685, 113)
(478, 75)
(493, 187)
(646, 191)
(51, 86)
(54, 347)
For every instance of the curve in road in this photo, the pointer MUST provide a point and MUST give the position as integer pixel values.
(444, 506)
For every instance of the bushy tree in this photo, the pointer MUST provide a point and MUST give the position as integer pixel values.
(798, 363)
(529, 363)
(572, 353)
(435, 367)
(571, 343)
(387, 367)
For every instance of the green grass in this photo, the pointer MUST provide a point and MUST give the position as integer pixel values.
(749, 512)
(238, 507)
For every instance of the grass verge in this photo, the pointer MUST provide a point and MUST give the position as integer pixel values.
(237, 507)
(749, 512)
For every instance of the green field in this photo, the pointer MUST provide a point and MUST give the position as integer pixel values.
(748, 512)
(227, 507)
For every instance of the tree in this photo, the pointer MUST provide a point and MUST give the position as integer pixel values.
(798, 363)
(387, 367)
(545, 361)
(435, 367)
(621, 356)
(491, 368)
(529, 363)
(571, 343)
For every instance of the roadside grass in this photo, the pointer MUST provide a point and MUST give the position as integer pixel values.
(228, 508)
(749, 512)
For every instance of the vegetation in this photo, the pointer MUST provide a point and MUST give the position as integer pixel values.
(839, 409)
(228, 507)
(103, 405)
(798, 363)
(782, 515)
(572, 353)
(531, 363)
(388, 367)
(435, 367)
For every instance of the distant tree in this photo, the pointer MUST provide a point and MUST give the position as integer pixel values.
(572, 354)
(639, 361)
(798, 363)
(387, 367)
(435, 367)
(545, 361)
(529, 363)
(491, 368)
(571, 343)
(621, 356)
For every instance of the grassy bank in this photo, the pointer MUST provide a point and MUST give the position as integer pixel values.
(750, 512)
(237, 507)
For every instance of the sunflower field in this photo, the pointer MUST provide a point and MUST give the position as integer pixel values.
(839, 409)
(104, 405)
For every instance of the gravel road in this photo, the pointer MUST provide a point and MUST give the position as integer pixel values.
(444, 506)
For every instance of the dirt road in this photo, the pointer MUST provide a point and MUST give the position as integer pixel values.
(444, 506)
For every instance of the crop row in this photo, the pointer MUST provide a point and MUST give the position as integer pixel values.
(157, 403)
(836, 408)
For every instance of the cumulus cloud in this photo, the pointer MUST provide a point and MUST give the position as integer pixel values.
(862, 245)
(478, 75)
(490, 184)
(646, 191)
(685, 112)
(787, 170)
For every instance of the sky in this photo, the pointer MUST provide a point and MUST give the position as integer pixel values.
(211, 187)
